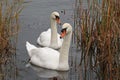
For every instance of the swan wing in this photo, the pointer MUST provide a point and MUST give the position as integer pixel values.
(44, 38)
(45, 57)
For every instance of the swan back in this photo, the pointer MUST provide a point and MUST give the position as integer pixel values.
(44, 38)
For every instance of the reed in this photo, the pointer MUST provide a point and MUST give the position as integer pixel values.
(97, 34)
(9, 26)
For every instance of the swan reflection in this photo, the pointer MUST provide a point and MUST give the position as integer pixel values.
(50, 74)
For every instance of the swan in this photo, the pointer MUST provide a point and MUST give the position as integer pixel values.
(50, 58)
(51, 38)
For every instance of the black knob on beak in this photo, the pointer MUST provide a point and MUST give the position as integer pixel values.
(60, 37)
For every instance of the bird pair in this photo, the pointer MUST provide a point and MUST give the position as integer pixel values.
(47, 56)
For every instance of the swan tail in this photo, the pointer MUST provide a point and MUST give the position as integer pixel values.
(30, 46)
(38, 40)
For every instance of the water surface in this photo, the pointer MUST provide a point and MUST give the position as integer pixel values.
(34, 19)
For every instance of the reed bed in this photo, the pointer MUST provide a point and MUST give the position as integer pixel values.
(9, 26)
(97, 35)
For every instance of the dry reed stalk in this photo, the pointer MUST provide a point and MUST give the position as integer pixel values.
(9, 26)
(9, 14)
(99, 36)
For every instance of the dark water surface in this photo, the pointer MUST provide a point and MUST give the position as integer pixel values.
(34, 19)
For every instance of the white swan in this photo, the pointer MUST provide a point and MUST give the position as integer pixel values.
(51, 38)
(50, 58)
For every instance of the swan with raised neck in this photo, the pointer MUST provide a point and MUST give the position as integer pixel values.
(54, 18)
(50, 38)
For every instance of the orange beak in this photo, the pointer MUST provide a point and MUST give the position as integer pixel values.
(63, 34)
(58, 20)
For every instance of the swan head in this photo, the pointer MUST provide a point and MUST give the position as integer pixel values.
(56, 16)
(66, 28)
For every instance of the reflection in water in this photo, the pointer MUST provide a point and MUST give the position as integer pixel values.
(8, 69)
(44, 73)
(50, 74)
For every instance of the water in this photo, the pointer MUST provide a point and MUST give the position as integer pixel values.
(35, 19)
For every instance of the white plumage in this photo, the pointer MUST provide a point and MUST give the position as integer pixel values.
(49, 58)
(50, 38)
(45, 37)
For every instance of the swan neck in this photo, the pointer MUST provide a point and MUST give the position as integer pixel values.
(53, 33)
(64, 51)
